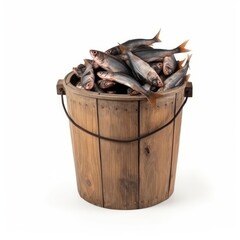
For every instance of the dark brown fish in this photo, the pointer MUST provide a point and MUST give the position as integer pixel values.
(154, 55)
(134, 43)
(169, 65)
(177, 77)
(130, 82)
(157, 66)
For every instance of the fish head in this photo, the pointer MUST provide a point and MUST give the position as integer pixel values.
(89, 85)
(87, 82)
(81, 66)
(77, 72)
(155, 80)
(97, 56)
(157, 83)
(157, 67)
(169, 65)
(94, 53)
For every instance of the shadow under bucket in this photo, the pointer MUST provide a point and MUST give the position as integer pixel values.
(125, 150)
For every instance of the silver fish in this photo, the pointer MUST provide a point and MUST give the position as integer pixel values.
(108, 62)
(134, 43)
(169, 65)
(180, 82)
(142, 69)
(130, 82)
(154, 55)
(177, 77)
(88, 77)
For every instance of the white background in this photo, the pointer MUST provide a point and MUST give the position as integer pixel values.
(41, 42)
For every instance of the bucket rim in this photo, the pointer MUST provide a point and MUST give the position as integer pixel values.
(69, 87)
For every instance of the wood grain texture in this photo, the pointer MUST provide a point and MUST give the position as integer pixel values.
(155, 152)
(124, 175)
(119, 160)
(86, 148)
(176, 138)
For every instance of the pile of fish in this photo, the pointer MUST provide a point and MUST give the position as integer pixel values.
(133, 67)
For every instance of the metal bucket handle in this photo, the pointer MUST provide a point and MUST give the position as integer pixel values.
(60, 91)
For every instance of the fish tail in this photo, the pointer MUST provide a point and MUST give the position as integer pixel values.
(75, 70)
(156, 38)
(182, 47)
(180, 64)
(86, 61)
(123, 49)
(188, 58)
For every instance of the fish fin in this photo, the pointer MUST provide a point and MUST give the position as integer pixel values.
(123, 49)
(156, 38)
(182, 47)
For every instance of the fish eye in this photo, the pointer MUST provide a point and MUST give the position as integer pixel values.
(159, 83)
(94, 52)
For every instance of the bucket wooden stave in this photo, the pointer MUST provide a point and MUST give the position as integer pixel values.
(119, 175)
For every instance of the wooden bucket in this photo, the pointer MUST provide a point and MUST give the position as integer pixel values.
(124, 175)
